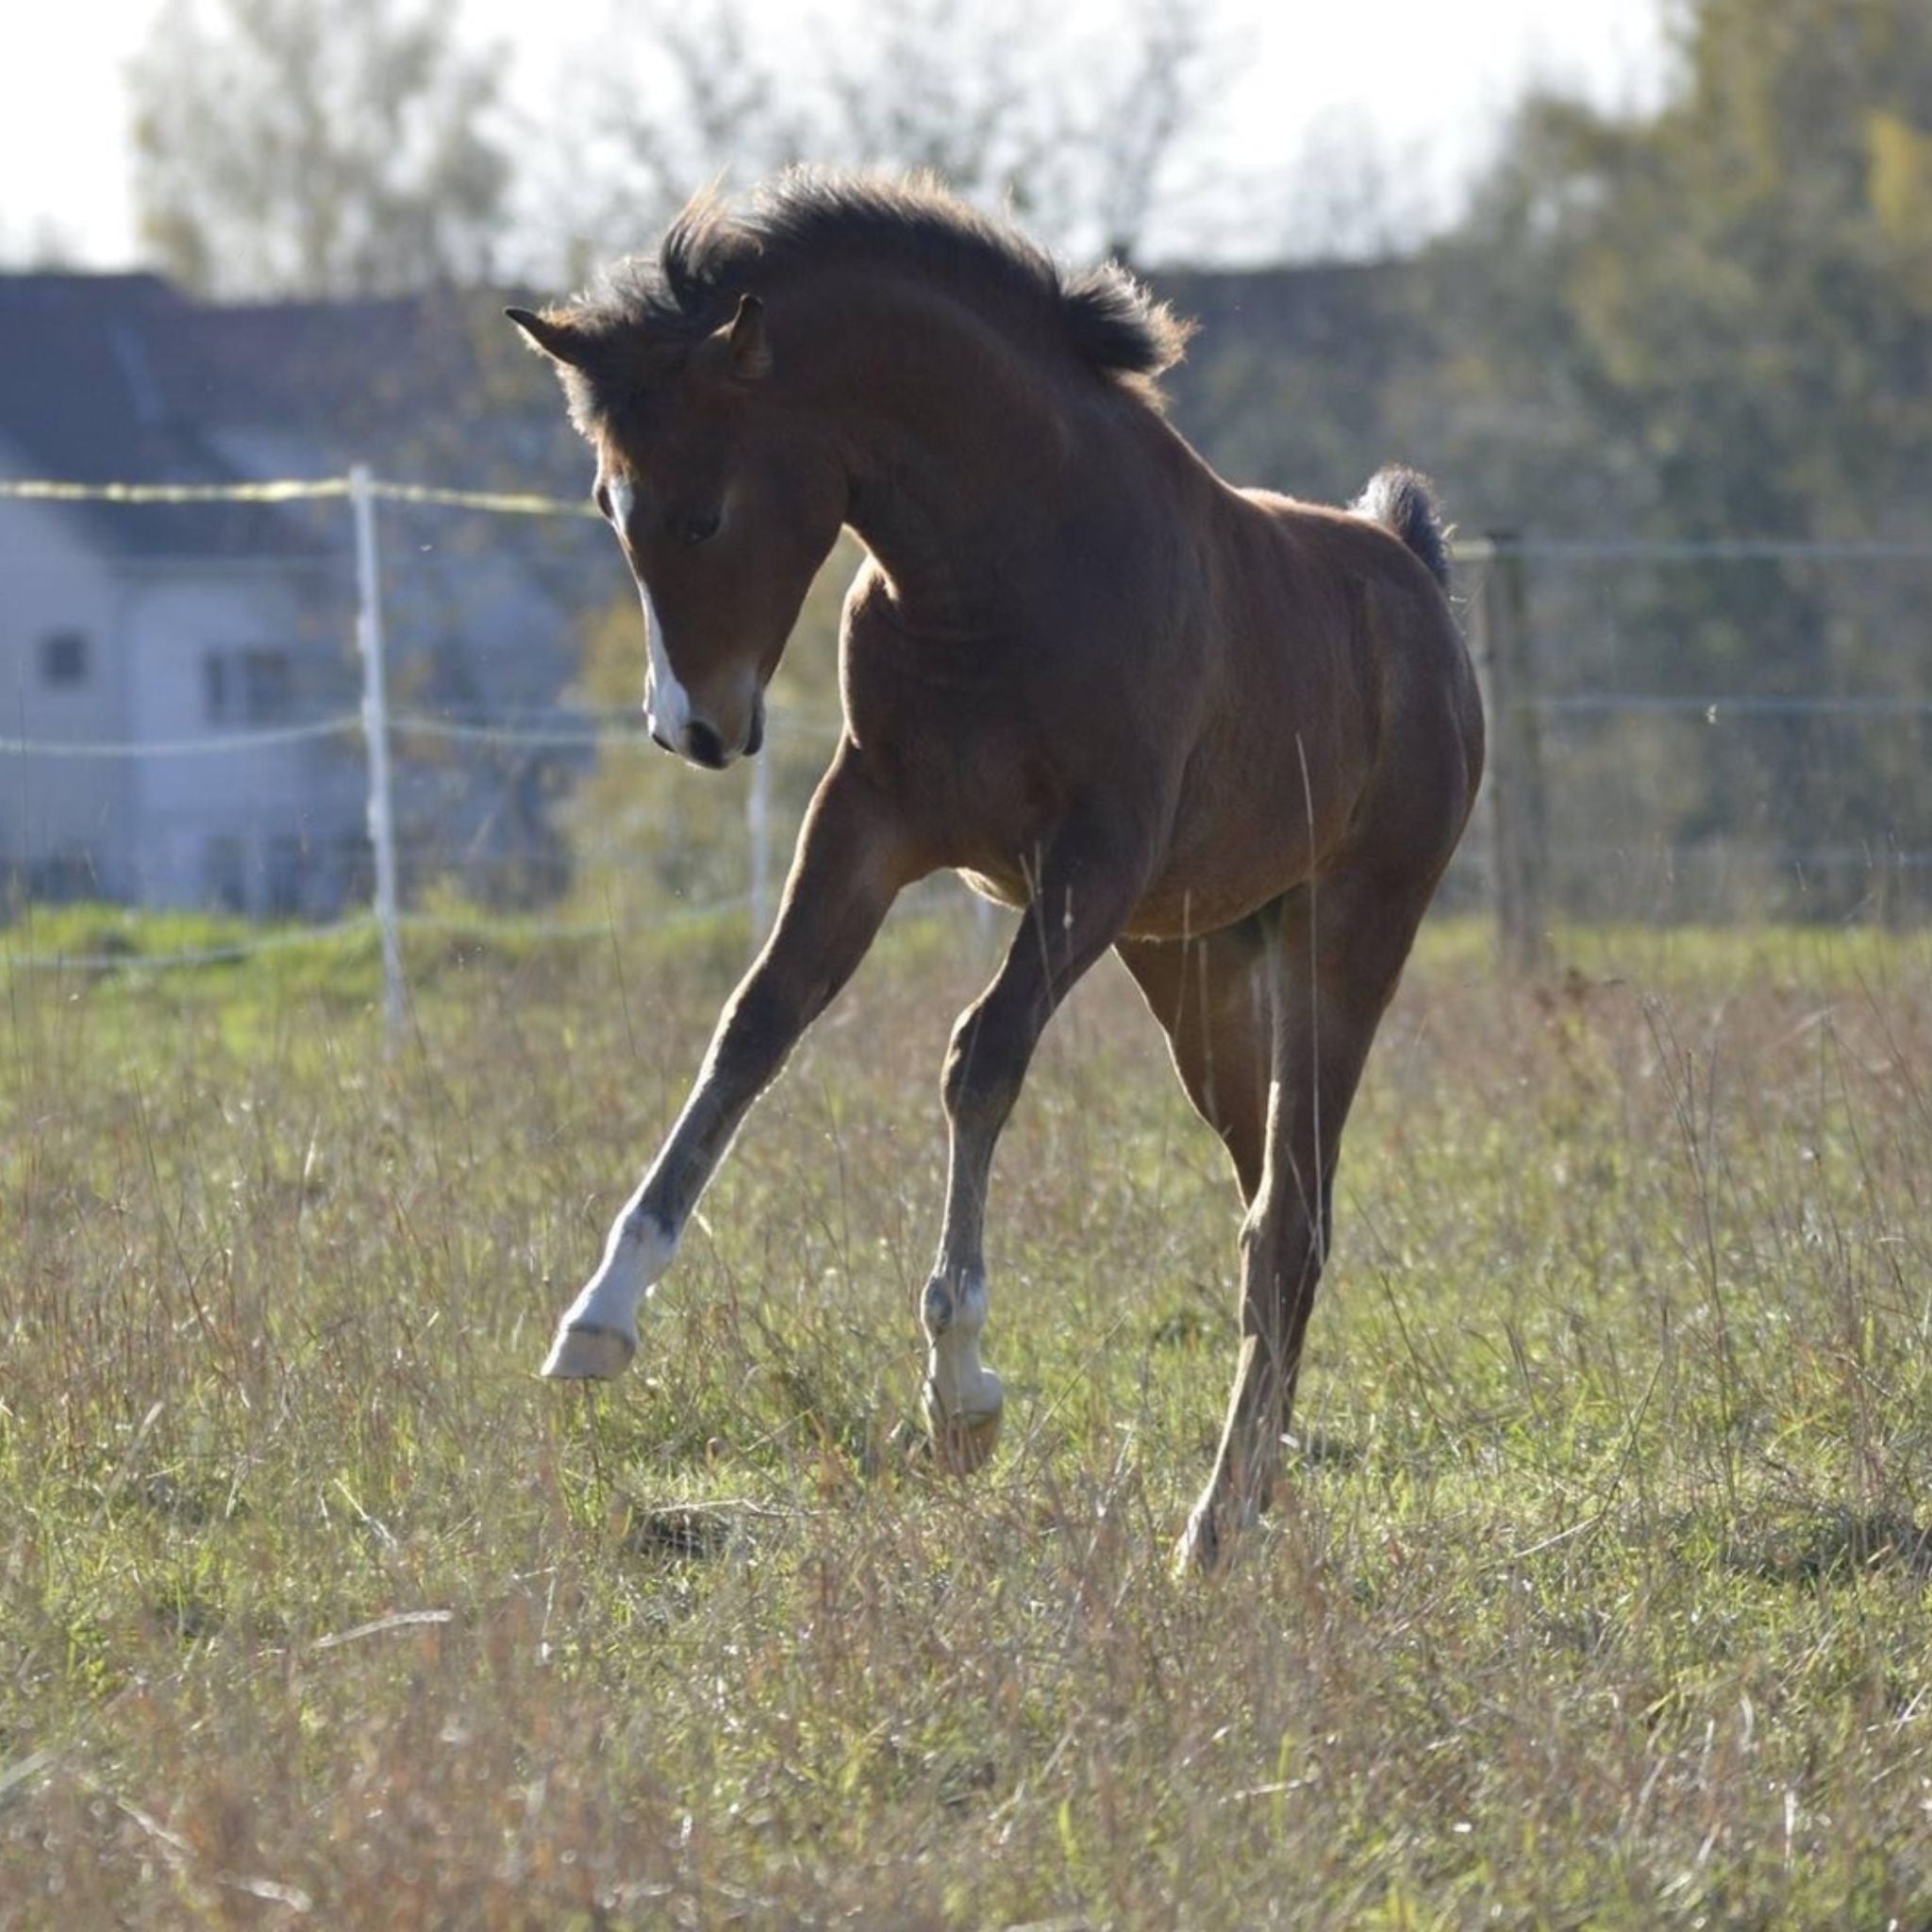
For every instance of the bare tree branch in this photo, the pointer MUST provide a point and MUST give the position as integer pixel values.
(302, 146)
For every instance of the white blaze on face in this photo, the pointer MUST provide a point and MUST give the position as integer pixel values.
(667, 704)
(666, 707)
(622, 497)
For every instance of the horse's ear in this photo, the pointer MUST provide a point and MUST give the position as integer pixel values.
(738, 350)
(554, 335)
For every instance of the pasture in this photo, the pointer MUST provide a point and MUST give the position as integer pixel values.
(1598, 1593)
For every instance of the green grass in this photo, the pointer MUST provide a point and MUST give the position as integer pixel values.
(1599, 1594)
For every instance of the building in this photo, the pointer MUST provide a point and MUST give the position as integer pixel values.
(129, 633)
(153, 637)
(152, 629)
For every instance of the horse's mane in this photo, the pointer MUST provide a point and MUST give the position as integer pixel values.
(714, 252)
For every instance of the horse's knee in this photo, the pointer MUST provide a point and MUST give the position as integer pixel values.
(984, 1068)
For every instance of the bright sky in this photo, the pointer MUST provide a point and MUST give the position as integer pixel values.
(1427, 82)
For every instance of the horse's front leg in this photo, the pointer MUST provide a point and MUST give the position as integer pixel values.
(849, 866)
(1087, 887)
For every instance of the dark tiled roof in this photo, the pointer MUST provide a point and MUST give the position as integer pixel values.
(110, 377)
(431, 387)
(345, 370)
(101, 381)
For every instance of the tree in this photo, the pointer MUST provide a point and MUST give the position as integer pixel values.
(1737, 283)
(1079, 133)
(1711, 320)
(44, 245)
(305, 147)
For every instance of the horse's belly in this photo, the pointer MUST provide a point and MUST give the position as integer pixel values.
(1010, 893)
(1179, 909)
(1201, 884)
(1228, 858)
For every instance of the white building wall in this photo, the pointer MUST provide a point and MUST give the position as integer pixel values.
(64, 821)
(252, 825)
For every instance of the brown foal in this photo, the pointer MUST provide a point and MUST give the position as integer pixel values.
(1234, 737)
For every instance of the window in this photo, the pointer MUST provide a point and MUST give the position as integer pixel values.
(63, 877)
(64, 658)
(215, 687)
(224, 873)
(288, 872)
(268, 685)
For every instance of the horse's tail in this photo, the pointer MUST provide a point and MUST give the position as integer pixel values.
(1404, 501)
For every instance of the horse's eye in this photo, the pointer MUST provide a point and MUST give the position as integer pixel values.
(601, 498)
(699, 529)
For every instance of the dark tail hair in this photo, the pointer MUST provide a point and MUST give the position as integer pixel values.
(1404, 501)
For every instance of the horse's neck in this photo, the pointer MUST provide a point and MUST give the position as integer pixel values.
(954, 437)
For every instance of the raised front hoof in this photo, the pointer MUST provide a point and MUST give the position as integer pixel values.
(962, 1444)
(588, 1355)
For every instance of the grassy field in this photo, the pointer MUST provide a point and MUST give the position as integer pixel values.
(1599, 1594)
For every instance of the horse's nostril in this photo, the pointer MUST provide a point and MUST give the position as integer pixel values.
(756, 743)
(662, 742)
(704, 744)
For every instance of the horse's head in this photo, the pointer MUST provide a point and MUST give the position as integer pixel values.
(723, 502)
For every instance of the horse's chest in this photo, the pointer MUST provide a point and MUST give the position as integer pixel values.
(964, 770)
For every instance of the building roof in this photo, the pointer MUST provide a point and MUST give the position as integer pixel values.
(102, 380)
(123, 378)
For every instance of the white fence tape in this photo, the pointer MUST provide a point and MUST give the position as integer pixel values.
(179, 747)
(596, 727)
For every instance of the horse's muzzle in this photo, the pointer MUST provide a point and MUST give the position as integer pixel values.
(702, 746)
(700, 742)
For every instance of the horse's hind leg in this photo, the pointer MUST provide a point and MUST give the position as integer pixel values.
(1332, 957)
(1211, 999)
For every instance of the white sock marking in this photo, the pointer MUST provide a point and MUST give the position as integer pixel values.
(636, 1255)
(953, 1315)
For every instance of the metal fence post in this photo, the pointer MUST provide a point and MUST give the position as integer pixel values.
(1515, 784)
(985, 925)
(382, 824)
(757, 825)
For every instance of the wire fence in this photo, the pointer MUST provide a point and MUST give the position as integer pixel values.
(396, 776)
(473, 805)
(1718, 731)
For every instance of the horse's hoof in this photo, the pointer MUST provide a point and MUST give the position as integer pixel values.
(1198, 1551)
(588, 1355)
(962, 1443)
(1206, 1546)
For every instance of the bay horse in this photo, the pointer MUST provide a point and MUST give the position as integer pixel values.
(1232, 736)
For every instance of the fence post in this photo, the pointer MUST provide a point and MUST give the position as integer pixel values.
(382, 824)
(757, 825)
(985, 930)
(1515, 787)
